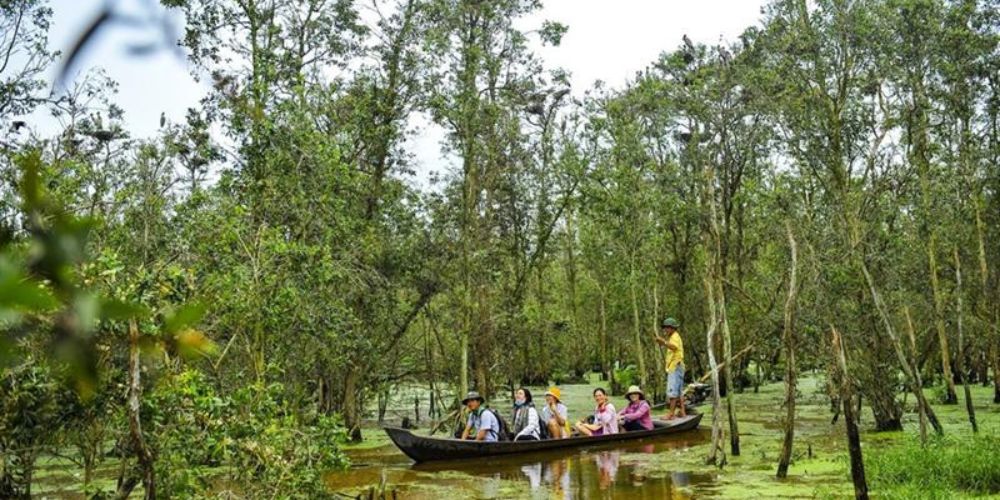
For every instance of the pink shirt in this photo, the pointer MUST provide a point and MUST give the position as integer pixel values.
(638, 411)
(607, 418)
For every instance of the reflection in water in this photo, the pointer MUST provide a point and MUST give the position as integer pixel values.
(534, 473)
(607, 464)
(557, 480)
(557, 477)
(607, 471)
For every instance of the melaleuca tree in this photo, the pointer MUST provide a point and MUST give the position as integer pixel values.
(485, 82)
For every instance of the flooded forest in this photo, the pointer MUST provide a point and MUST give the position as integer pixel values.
(237, 304)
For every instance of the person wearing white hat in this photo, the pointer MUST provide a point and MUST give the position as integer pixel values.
(637, 415)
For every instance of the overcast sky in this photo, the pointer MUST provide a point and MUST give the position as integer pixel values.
(607, 40)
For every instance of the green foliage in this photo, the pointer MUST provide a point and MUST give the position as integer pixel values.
(30, 416)
(197, 276)
(627, 376)
(251, 442)
(966, 464)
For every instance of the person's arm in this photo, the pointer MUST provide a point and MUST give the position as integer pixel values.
(481, 436)
(593, 427)
(468, 428)
(601, 419)
(626, 415)
(660, 340)
(560, 417)
(642, 411)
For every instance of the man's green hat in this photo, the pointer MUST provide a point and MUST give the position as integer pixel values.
(671, 322)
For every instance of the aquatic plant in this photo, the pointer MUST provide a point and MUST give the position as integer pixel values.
(969, 464)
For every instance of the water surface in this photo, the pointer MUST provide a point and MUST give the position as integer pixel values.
(613, 470)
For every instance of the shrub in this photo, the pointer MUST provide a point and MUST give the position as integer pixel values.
(251, 441)
(625, 377)
(29, 412)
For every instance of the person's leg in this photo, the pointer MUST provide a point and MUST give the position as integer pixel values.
(633, 426)
(555, 430)
(674, 381)
(582, 429)
(679, 389)
(525, 437)
(670, 401)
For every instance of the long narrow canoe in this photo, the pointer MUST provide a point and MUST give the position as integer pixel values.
(428, 449)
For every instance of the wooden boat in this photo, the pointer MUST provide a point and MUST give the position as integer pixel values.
(428, 449)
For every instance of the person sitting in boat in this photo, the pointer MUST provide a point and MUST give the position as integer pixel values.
(555, 416)
(605, 417)
(636, 416)
(525, 417)
(482, 424)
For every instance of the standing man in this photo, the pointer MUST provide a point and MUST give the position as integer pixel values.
(482, 425)
(674, 365)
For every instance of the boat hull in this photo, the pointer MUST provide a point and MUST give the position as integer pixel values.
(429, 449)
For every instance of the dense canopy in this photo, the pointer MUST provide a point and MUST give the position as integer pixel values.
(236, 294)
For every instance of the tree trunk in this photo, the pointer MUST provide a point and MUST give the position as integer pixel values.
(382, 399)
(919, 127)
(571, 271)
(351, 418)
(921, 410)
(996, 371)
(717, 433)
(850, 420)
(142, 451)
(482, 381)
(463, 373)
(789, 338)
(951, 397)
(88, 469)
(992, 333)
(960, 360)
(639, 351)
(727, 343)
(605, 366)
(658, 353)
(718, 278)
(916, 385)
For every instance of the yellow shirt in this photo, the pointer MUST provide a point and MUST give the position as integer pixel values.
(675, 358)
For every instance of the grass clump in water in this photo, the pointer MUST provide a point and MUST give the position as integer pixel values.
(943, 467)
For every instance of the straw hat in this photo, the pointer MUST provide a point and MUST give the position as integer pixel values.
(554, 392)
(634, 389)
